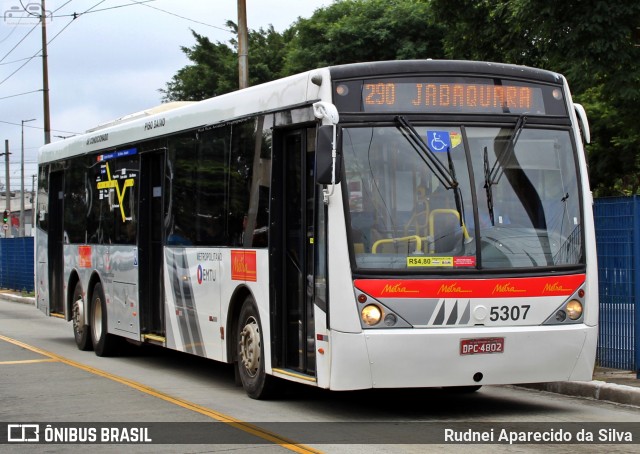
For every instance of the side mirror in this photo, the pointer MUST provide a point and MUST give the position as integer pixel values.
(324, 158)
(584, 123)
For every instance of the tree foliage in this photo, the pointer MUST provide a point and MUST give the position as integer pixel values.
(352, 31)
(214, 68)
(594, 43)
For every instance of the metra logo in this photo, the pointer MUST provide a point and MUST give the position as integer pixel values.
(554, 288)
(244, 266)
(507, 287)
(395, 289)
(452, 288)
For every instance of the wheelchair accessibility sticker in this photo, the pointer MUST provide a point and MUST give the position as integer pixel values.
(442, 141)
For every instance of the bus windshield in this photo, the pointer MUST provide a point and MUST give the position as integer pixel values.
(497, 197)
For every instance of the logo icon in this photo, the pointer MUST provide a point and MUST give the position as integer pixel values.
(23, 433)
(21, 13)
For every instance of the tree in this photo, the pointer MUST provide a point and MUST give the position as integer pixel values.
(350, 31)
(214, 70)
(345, 32)
(211, 73)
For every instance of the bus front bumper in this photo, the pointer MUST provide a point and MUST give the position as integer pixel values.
(410, 358)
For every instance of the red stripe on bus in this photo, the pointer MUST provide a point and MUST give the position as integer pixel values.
(471, 288)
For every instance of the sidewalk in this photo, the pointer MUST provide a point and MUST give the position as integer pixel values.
(611, 385)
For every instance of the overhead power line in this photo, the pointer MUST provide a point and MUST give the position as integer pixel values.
(143, 3)
(38, 127)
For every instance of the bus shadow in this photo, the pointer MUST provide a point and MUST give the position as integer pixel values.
(360, 405)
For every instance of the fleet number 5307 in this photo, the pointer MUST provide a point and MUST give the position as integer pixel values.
(512, 313)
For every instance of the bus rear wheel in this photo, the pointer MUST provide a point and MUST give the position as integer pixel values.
(104, 344)
(81, 331)
(250, 362)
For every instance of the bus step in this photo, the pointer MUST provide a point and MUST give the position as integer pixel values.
(295, 374)
(154, 339)
(56, 315)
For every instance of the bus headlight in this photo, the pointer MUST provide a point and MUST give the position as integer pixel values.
(574, 309)
(371, 314)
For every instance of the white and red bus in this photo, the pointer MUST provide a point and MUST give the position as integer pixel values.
(374, 225)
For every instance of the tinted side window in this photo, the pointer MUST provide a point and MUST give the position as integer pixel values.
(113, 189)
(75, 201)
(125, 173)
(198, 188)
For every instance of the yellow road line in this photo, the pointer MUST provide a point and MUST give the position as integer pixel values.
(29, 361)
(238, 424)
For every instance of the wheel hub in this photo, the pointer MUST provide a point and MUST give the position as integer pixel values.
(250, 346)
(78, 316)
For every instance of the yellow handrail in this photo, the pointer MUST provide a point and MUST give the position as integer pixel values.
(415, 238)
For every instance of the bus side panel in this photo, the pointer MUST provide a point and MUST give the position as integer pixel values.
(192, 302)
(343, 314)
(124, 308)
(323, 350)
(42, 274)
(350, 368)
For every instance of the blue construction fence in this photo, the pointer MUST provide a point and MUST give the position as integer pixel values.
(16, 264)
(618, 241)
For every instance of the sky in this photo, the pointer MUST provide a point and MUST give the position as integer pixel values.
(110, 61)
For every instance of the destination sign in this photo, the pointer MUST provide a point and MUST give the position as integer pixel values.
(456, 95)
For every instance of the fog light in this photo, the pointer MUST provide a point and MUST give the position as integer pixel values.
(371, 315)
(574, 309)
(561, 316)
(390, 320)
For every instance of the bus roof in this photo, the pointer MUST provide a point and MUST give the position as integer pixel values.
(157, 122)
(442, 67)
(287, 92)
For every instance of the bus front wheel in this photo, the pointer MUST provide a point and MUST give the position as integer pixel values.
(250, 363)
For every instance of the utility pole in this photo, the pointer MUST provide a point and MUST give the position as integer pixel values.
(21, 230)
(8, 185)
(243, 45)
(45, 76)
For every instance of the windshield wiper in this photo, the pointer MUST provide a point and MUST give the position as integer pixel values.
(427, 154)
(447, 177)
(498, 167)
(487, 185)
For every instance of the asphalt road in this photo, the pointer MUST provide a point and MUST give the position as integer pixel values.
(187, 404)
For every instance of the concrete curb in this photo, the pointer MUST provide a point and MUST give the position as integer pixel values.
(595, 389)
(17, 298)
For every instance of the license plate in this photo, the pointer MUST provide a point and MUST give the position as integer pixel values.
(482, 345)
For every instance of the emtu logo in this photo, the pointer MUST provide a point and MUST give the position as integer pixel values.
(24, 13)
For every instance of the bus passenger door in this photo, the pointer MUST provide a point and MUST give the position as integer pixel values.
(292, 251)
(56, 242)
(150, 245)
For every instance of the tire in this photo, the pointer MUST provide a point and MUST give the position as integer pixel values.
(250, 364)
(104, 344)
(81, 331)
